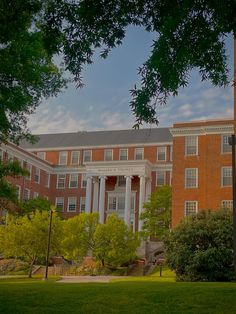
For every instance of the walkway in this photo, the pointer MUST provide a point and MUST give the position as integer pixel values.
(81, 279)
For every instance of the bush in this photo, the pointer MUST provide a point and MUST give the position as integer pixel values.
(200, 248)
(12, 267)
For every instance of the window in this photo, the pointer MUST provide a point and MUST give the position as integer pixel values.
(18, 190)
(87, 156)
(191, 145)
(82, 204)
(138, 154)
(190, 208)
(116, 202)
(108, 154)
(10, 157)
(28, 167)
(47, 179)
(161, 153)
(75, 157)
(41, 155)
(161, 178)
(26, 195)
(123, 154)
(120, 202)
(71, 206)
(225, 147)
(61, 181)
(83, 180)
(121, 181)
(59, 203)
(227, 204)
(226, 176)
(112, 203)
(62, 158)
(37, 175)
(36, 194)
(73, 180)
(191, 180)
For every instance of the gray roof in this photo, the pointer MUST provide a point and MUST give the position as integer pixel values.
(101, 138)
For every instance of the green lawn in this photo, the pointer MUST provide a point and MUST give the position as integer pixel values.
(135, 295)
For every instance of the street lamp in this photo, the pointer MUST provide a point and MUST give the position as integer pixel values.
(52, 210)
(232, 142)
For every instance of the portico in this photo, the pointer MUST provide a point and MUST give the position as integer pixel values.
(131, 188)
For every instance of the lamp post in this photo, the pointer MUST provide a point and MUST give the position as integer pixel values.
(52, 209)
(232, 142)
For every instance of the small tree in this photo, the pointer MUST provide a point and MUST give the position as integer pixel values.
(79, 235)
(8, 196)
(26, 238)
(200, 248)
(157, 214)
(115, 243)
(30, 206)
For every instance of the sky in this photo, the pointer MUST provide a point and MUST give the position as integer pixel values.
(103, 103)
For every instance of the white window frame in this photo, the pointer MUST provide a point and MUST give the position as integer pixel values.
(18, 192)
(136, 154)
(161, 172)
(83, 179)
(85, 152)
(159, 148)
(63, 156)
(105, 154)
(28, 192)
(222, 176)
(36, 194)
(78, 157)
(223, 144)
(41, 155)
(188, 138)
(120, 154)
(47, 179)
(186, 178)
(28, 167)
(61, 174)
(56, 202)
(121, 179)
(185, 208)
(75, 180)
(117, 196)
(37, 175)
(69, 203)
(82, 202)
(224, 204)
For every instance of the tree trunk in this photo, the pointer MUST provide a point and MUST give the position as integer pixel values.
(31, 268)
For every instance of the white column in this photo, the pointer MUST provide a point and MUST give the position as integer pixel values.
(141, 199)
(102, 199)
(95, 195)
(88, 194)
(148, 188)
(128, 200)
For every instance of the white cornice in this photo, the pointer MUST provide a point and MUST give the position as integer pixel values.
(45, 149)
(28, 157)
(202, 130)
(162, 167)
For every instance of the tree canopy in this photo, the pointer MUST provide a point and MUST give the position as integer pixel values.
(200, 248)
(189, 34)
(157, 214)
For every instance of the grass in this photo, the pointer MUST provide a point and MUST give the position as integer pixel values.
(133, 295)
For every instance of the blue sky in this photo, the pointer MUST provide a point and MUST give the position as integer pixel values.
(103, 103)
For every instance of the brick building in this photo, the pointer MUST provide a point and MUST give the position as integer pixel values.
(115, 171)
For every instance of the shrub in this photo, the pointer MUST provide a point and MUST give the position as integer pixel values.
(200, 248)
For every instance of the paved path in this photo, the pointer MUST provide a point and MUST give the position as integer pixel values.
(80, 279)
